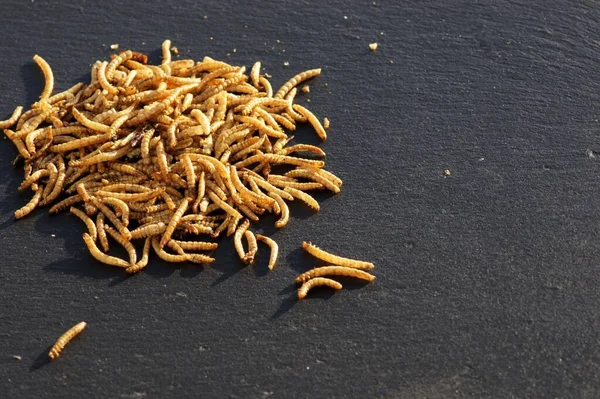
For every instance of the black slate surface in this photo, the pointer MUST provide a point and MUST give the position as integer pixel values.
(487, 279)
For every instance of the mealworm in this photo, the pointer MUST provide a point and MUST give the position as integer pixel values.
(274, 249)
(112, 217)
(30, 206)
(165, 255)
(334, 259)
(313, 175)
(88, 222)
(148, 230)
(59, 185)
(196, 245)
(48, 77)
(313, 120)
(237, 238)
(101, 77)
(301, 148)
(270, 188)
(285, 211)
(5, 124)
(255, 74)
(101, 256)
(334, 271)
(297, 185)
(301, 77)
(143, 262)
(115, 62)
(64, 339)
(174, 222)
(223, 205)
(252, 247)
(302, 196)
(121, 206)
(315, 282)
(124, 243)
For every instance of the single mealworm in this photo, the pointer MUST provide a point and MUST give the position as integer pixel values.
(165, 255)
(301, 148)
(252, 247)
(59, 185)
(297, 185)
(315, 282)
(64, 339)
(143, 262)
(223, 205)
(124, 243)
(174, 222)
(334, 259)
(101, 256)
(88, 222)
(148, 230)
(48, 77)
(255, 74)
(5, 124)
(30, 206)
(266, 85)
(121, 206)
(112, 217)
(101, 76)
(310, 173)
(334, 271)
(302, 76)
(64, 204)
(313, 120)
(304, 197)
(237, 238)
(90, 124)
(101, 233)
(285, 211)
(285, 159)
(274, 249)
(196, 245)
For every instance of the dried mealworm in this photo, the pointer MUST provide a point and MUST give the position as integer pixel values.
(174, 222)
(274, 249)
(148, 230)
(101, 76)
(124, 243)
(237, 238)
(301, 77)
(334, 271)
(5, 124)
(112, 217)
(88, 222)
(196, 245)
(302, 196)
(310, 173)
(313, 120)
(315, 282)
(165, 255)
(334, 259)
(143, 262)
(48, 77)
(252, 247)
(255, 73)
(101, 256)
(64, 339)
(101, 233)
(223, 205)
(30, 206)
(122, 207)
(285, 211)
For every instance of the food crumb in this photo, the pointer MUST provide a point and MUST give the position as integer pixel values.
(326, 123)
(446, 172)
(306, 89)
(52, 235)
(373, 46)
(205, 17)
(16, 357)
(286, 63)
(345, 17)
(175, 50)
(235, 50)
(114, 46)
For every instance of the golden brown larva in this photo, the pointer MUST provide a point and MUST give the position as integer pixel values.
(274, 249)
(315, 282)
(334, 271)
(65, 338)
(334, 259)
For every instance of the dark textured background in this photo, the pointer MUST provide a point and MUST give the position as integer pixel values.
(487, 279)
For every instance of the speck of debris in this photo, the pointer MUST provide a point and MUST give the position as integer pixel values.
(211, 38)
(286, 64)
(591, 154)
(308, 100)
(205, 17)
(345, 17)
(278, 41)
(373, 46)
(391, 61)
(114, 46)
(305, 89)
(175, 50)
(228, 54)
(183, 294)
(52, 235)
(481, 159)
(447, 172)
(268, 76)
(381, 33)
(16, 357)
(235, 50)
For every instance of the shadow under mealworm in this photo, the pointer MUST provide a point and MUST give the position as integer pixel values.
(286, 305)
(42, 360)
(227, 261)
(33, 79)
(301, 261)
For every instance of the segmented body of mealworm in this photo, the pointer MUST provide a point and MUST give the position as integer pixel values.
(124, 243)
(301, 77)
(252, 247)
(101, 256)
(64, 339)
(196, 245)
(30, 206)
(302, 196)
(284, 210)
(274, 249)
(5, 124)
(313, 120)
(237, 239)
(334, 259)
(315, 282)
(143, 262)
(334, 271)
(149, 230)
(48, 77)
(88, 222)
(174, 222)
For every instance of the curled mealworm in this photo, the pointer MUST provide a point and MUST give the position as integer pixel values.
(301, 77)
(313, 120)
(274, 249)
(5, 124)
(48, 77)
(101, 256)
(237, 239)
(334, 259)
(88, 222)
(143, 262)
(30, 206)
(284, 210)
(252, 247)
(64, 339)
(124, 243)
(315, 282)
(334, 271)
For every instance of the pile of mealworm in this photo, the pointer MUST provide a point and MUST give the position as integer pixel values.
(173, 155)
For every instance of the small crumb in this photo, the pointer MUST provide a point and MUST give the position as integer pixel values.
(373, 46)
(235, 50)
(591, 154)
(308, 100)
(391, 61)
(268, 76)
(345, 17)
(447, 172)
(16, 357)
(205, 17)
(305, 89)
(326, 84)
(286, 64)
(211, 38)
(175, 50)
(52, 235)
(278, 41)
(326, 123)
(381, 33)
(114, 46)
